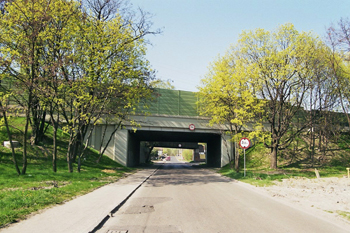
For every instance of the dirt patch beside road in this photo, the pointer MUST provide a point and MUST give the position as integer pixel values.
(327, 194)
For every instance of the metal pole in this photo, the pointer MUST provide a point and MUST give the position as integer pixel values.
(244, 162)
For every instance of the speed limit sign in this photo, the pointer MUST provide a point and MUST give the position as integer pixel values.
(244, 143)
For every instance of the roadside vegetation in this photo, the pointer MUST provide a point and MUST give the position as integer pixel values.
(187, 154)
(287, 90)
(65, 66)
(40, 187)
(330, 163)
(72, 64)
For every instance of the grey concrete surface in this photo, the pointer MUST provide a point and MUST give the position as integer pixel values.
(178, 198)
(83, 213)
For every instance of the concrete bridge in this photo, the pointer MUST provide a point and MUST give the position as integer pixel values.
(173, 122)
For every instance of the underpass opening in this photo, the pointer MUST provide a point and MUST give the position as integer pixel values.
(212, 141)
(180, 152)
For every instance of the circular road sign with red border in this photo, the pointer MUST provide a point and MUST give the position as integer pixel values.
(244, 143)
(191, 127)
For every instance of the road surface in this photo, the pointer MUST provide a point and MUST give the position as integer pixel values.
(180, 198)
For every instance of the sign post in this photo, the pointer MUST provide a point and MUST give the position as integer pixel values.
(244, 143)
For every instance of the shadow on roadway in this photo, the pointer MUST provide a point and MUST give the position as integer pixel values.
(184, 174)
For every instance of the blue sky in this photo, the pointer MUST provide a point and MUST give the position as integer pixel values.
(195, 32)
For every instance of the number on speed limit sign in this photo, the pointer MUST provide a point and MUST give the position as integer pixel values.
(244, 143)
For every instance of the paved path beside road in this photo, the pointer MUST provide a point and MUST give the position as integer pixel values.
(83, 213)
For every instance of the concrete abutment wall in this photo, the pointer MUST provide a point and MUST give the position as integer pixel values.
(125, 146)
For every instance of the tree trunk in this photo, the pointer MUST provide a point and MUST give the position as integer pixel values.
(79, 164)
(82, 150)
(69, 156)
(75, 149)
(109, 140)
(41, 135)
(102, 139)
(10, 139)
(37, 124)
(274, 156)
(24, 165)
(312, 141)
(54, 152)
(236, 152)
(343, 107)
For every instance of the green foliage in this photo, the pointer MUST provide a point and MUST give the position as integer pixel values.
(257, 156)
(266, 78)
(64, 61)
(163, 84)
(154, 154)
(170, 151)
(259, 174)
(187, 155)
(344, 214)
(267, 177)
(16, 128)
(226, 96)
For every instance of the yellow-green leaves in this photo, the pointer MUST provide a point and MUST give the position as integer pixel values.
(271, 71)
(227, 96)
(66, 62)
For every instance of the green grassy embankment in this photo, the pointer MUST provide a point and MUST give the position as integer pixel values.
(333, 164)
(40, 187)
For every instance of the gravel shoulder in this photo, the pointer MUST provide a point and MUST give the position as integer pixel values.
(330, 195)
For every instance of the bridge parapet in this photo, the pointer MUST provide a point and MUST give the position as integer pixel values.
(175, 123)
(172, 103)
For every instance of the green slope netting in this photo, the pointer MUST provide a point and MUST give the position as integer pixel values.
(172, 102)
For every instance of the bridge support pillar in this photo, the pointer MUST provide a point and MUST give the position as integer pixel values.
(226, 150)
(143, 152)
(121, 147)
(214, 151)
(133, 153)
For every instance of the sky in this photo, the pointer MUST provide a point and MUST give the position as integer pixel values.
(196, 32)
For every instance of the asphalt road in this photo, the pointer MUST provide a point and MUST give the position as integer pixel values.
(180, 198)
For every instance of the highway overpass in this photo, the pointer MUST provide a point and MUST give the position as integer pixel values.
(174, 122)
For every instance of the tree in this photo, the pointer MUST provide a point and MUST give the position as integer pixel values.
(338, 39)
(4, 121)
(72, 63)
(64, 19)
(282, 69)
(34, 42)
(108, 72)
(22, 27)
(163, 84)
(320, 98)
(226, 97)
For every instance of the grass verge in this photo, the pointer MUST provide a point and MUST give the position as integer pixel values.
(344, 214)
(40, 187)
(267, 177)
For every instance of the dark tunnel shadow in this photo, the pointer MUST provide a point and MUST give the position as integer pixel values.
(184, 174)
